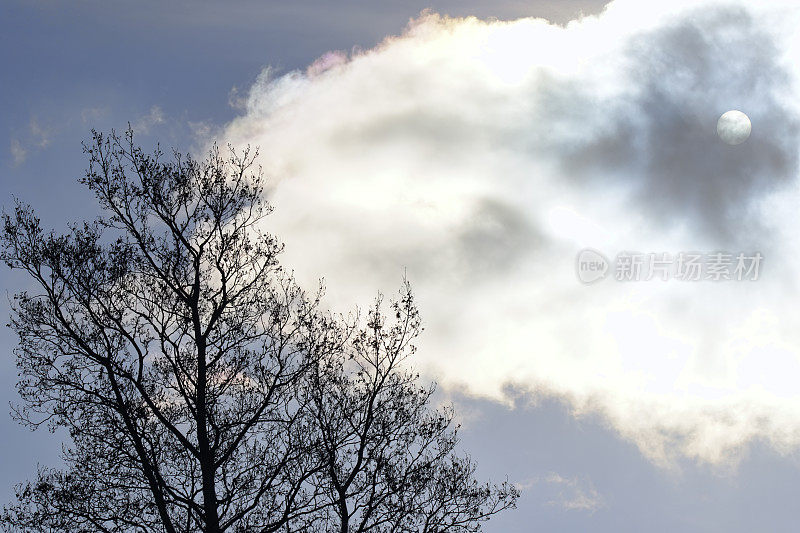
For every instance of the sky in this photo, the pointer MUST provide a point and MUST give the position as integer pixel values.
(477, 148)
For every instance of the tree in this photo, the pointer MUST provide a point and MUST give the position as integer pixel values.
(201, 388)
(388, 461)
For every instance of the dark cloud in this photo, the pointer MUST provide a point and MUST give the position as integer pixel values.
(495, 238)
(661, 140)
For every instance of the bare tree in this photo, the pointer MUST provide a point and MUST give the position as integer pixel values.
(389, 461)
(202, 389)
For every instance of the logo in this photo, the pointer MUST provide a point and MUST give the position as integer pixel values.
(591, 266)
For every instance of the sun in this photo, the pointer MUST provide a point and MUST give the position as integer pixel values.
(734, 127)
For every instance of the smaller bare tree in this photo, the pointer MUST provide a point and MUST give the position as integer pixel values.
(389, 460)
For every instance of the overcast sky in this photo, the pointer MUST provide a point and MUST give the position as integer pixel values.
(478, 149)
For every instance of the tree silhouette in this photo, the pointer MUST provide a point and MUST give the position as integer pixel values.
(201, 388)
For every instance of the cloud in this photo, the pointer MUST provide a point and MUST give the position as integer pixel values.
(18, 152)
(91, 115)
(37, 137)
(568, 494)
(41, 135)
(153, 118)
(573, 494)
(480, 156)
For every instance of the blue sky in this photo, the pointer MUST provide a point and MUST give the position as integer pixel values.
(589, 458)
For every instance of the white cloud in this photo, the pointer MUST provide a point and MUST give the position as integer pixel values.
(479, 157)
(41, 134)
(573, 494)
(38, 137)
(90, 115)
(153, 118)
(18, 152)
(566, 493)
